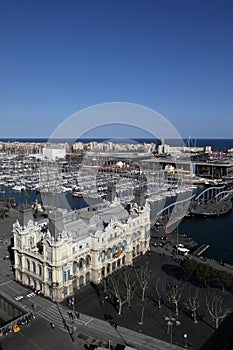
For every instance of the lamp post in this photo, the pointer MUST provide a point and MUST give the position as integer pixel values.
(185, 340)
(73, 315)
(170, 322)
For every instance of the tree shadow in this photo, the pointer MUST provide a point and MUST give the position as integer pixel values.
(95, 288)
(174, 271)
(108, 317)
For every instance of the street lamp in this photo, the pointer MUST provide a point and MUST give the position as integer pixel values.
(170, 322)
(186, 340)
(73, 315)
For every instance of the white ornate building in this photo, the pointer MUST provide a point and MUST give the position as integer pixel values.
(76, 247)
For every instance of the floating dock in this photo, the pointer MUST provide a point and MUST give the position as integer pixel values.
(200, 249)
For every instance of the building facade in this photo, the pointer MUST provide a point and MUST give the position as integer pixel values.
(73, 248)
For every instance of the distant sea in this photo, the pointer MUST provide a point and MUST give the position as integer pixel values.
(216, 144)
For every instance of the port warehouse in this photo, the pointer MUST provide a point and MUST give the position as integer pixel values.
(211, 169)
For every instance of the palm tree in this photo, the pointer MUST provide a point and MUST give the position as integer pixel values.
(3, 212)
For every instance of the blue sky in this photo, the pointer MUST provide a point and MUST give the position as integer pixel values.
(174, 56)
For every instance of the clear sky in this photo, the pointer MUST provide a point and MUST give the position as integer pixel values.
(174, 56)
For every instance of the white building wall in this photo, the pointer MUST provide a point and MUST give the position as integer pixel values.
(94, 257)
(54, 153)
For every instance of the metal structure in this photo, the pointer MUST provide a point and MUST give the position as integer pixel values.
(171, 321)
(209, 193)
(27, 314)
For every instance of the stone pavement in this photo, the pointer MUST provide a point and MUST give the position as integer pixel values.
(101, 331)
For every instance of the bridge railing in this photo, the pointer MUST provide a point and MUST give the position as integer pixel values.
(211, 190)
(175, 212)
(224, 194)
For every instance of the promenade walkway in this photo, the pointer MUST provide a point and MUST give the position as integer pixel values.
(101, 332)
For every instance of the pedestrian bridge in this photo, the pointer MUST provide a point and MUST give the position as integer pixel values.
(176, 211)
(210, 193)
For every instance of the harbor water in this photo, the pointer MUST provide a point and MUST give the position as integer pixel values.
(217, 232)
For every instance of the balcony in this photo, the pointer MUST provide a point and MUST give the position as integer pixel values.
(116, 257)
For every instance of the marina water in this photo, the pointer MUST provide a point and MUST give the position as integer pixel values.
(217, 232)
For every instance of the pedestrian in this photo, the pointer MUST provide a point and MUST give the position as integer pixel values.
(69, 302)
(77, 314)
(34, 307)
(52, 325)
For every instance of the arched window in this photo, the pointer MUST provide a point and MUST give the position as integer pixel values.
(119, 247)
(81, 281)
(102, 256)
(103, 271)
(33, 267)
(88, 260)
(133, 252)
(81, 264)
(109, 252)
(88, 276)
(28, 264)
(114, 250)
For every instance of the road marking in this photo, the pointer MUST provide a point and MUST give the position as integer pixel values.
(86, 323)
(31, 295)
(19, 297)
(3, 283)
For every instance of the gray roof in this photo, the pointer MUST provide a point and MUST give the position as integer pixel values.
(81, 226)
(116, 211)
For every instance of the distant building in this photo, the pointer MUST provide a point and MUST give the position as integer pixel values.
(208, 149)
(54, 153)
(75, 247)
(163, 149)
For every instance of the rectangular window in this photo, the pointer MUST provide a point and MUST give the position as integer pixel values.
(19, 243)
(31, 241)
(50, 275)
(64, 253)
(64, 276)
(40, 270)
(49, 255)
(28, 264)
(20, 262)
